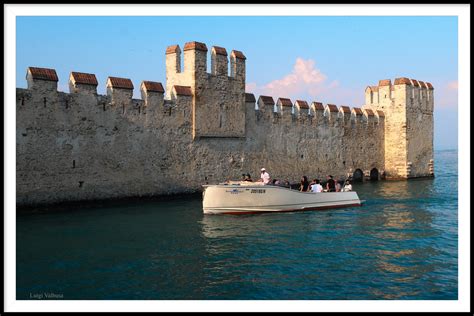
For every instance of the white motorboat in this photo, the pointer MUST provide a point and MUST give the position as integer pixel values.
(239, 197)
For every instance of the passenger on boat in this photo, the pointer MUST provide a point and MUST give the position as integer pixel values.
(316, 187)
(304, 184)
(347, 186)
(276, 182)
(338, 186)
(264, 176)
(247, 177)
(331, 184)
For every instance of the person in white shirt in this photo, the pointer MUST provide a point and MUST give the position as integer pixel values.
(265, 177)
(316, 187)
(347, 186)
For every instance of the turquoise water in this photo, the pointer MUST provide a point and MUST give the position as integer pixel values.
(402, 244)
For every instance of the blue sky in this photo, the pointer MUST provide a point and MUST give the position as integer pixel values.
(327, 59)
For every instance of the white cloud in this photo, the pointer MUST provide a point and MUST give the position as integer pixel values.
(453, 85)
(304, 81)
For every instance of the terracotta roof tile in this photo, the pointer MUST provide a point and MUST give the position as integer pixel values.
(345, 109)
(422, 84)
(374, 88)
(84, 78)
(219, 50)
(302, 104)
(249, 97)
(332, 108)
(385, 82)
(183, 90)
(266, 100)
(196, 46)
(120, 83)
(238, 54)
(153, 86)
(380, 113)
(357, 111)
(318, 106)
(403, 81)
(43, 73)
(172, 49)
(430, 86)
(285, 102)
(415, 83)
(369, 112)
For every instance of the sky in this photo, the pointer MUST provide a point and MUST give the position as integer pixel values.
(331, 59)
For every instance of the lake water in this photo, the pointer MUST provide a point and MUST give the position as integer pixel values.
(402, 244)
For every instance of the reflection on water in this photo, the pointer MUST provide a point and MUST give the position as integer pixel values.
(402, 244)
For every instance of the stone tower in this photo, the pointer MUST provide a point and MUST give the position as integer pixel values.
(218, 98)
(408, 107)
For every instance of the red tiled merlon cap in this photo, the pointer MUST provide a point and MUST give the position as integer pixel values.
(249, 97)
(415, 82)
(369, 112)
(332, 108)
(219, 50)
(422, 84)
(195, 46)
(121, 83)
(285, 102)
(183, 90)
(318, 106)
(238, 54)
(302, 104)
(385, 82)
(403, 81)
(84, 78)
(380, 113)
(266, 100)
(374, 88)
(430, 86)
(345, 109)
(173, 49)
(357, 111)
(153, 86)
(43, 73)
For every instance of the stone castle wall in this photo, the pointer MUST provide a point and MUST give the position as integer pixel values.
(203, 128)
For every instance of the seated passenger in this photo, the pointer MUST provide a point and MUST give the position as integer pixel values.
(330, 184)
(347, 186)
(304, 184)
(316, 187)
(248, 178)
(338, 186)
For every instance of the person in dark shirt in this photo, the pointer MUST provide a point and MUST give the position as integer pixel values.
(304, 185)
(331, 184)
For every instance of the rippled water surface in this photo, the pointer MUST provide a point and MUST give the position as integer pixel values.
(402, 244)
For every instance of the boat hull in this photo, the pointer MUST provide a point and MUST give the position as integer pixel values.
(251, 199)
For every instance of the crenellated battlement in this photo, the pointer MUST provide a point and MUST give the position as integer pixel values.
(120, 92)
(195, 61)
(318, 113)
(386, 94)
(202, 127)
